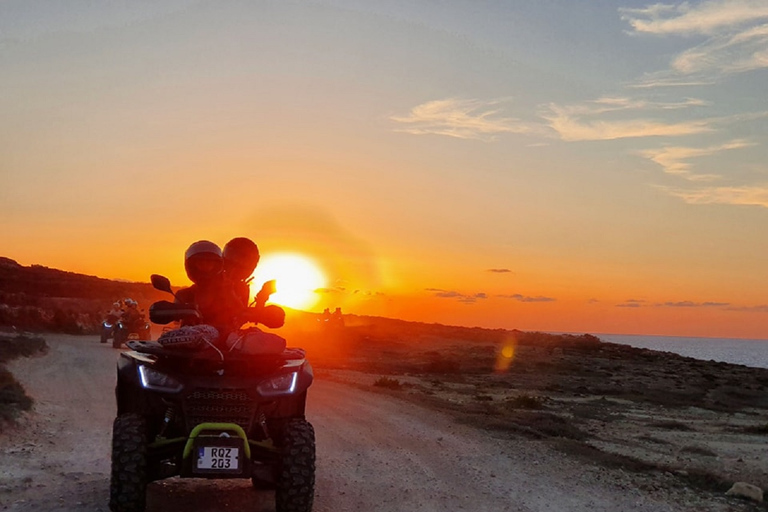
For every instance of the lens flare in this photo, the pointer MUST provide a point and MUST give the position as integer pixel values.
(505, 356)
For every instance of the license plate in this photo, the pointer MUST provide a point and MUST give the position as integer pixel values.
(217, 457)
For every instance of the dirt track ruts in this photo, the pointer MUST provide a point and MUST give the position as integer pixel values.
(375, 452)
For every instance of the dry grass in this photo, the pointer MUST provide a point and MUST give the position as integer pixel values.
(13, 399)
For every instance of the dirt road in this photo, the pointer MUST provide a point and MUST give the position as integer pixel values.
(374, 453)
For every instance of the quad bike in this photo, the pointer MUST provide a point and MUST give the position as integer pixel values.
(108, 328)
(128, 330)
(211, 414)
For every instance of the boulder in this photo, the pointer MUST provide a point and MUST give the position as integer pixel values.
(745, 490)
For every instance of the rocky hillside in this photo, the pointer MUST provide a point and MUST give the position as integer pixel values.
(37, 298)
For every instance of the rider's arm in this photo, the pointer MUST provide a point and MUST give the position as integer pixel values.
(271, 316)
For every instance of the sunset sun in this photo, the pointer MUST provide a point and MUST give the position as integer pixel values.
(297, 279)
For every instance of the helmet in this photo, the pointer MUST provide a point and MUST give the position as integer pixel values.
(241, 255)
(202, 261)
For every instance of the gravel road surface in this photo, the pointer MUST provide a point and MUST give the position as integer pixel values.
(375, 453)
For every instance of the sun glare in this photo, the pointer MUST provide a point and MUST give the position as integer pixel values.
(297, 279)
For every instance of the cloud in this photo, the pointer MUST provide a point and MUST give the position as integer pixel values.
(618, 103)
(570, 124)
(499, 270)
(524, 298)
(691, 304)
(337, 289)
(736, 37)
(674, 160)
(461, 118)
(756, 195)
(631, 303)
(763, 308)
(460, 297)
(685, 19)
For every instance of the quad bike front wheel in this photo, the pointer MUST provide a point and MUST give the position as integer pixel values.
(295, 490)
(128, 485)
(119, 338)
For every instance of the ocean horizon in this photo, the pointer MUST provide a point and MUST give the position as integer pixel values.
(747, 352)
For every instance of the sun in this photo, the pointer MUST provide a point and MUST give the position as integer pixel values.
(297, 279)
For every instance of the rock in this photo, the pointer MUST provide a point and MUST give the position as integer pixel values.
(745, 490)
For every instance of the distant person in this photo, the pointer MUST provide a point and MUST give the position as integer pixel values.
(337, 319)
(114, 314)
(131, 315)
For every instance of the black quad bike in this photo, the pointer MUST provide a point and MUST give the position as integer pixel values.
(211, 414)
(125, 330)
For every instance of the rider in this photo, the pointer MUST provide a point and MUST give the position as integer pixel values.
(221, 296)
(131, 316)
(114, 314)
(241, 255)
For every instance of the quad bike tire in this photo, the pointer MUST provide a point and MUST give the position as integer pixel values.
(128, 484)
(103, 337)
(119, 338)
(295, 489)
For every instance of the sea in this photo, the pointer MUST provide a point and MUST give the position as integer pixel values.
(729, 350)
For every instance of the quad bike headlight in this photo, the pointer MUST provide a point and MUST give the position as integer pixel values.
(284, 384)
(158, 381)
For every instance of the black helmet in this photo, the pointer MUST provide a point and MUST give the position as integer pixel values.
(241, 255)
(202, 261)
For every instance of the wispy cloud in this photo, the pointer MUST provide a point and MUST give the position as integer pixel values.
(631, 303)
(736, 33)
(675, 160)
(460, 297)
(499, 270)
(461, 118)
(692, 304)
(337, 289)
(763, 308)
(755, 195)
(704, 18)
(525, 298)
(570, 123)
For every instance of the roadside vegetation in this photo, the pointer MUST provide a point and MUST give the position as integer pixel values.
(13, 399)
(671, 421)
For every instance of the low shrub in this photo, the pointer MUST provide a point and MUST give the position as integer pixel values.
(673, 425)
(389, 383)
(757, 429)
(12, 347)
(13, 399)
(526, 402)
(698, 450)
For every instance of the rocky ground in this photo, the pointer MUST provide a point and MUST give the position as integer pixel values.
(521, 421)
(668, 420)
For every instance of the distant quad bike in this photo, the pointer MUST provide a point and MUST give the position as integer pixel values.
(108, 329)
(211, 414)
(125, 331)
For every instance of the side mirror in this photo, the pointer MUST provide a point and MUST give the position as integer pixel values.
(161, 283)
